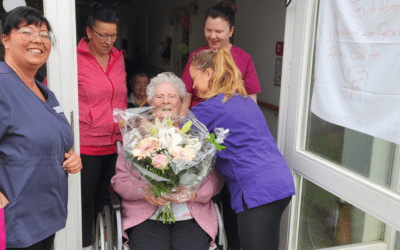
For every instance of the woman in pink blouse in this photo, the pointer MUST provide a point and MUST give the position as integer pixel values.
(102, 87)
(218, 29)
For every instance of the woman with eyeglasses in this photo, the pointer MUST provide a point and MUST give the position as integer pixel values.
(35, 138)
(102, 87)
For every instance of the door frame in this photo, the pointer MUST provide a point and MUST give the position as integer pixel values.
(63, 81)
(378, 201)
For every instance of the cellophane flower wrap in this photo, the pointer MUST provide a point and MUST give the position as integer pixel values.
(171, 153)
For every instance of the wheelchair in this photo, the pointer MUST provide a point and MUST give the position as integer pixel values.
(109, 227)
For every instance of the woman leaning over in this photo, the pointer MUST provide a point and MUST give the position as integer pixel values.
(259, 181)
(35, 137)
(102, 87)
(196, 220)
(218, 29)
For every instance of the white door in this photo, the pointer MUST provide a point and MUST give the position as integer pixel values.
(347, 182)
(63, 81)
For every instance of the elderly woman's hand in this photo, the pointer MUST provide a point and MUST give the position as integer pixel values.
(181, 195)
(72, 163)
(148, 195)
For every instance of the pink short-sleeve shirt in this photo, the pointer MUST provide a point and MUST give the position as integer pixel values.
(243, 61)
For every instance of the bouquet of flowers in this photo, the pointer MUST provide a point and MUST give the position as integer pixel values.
(171, 153)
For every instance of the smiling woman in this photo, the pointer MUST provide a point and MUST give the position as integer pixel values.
(218, 30)
(166, 92)
(195, 226)
(35, 137)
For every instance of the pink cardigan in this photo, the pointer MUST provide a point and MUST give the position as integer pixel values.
(99, 93)
(135, 209)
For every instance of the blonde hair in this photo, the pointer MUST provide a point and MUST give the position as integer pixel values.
(226, 79)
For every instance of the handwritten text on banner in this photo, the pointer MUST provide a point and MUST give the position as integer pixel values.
(357, 66)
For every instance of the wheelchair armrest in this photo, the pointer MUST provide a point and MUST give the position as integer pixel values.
(115, 199)
(217, 199)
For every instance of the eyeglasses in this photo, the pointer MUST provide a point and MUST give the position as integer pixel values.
(28, 34)
(105, 37)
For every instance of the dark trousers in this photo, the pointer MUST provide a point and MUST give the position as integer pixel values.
(259, 226)
(181, 235)
(230, 220)
(45, 244)
(96, 175)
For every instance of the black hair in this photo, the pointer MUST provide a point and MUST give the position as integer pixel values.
(222, 10)
(23, 14)
(100, 12)
(136, 74)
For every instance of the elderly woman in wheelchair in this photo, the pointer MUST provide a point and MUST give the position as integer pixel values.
(196, 223)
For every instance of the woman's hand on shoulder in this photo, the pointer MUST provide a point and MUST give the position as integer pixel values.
(72, 163)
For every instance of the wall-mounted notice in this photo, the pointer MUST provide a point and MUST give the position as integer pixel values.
(357, 67)
(278, 72)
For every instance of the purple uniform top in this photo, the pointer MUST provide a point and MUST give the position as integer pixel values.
(243, 61)
(251, 163)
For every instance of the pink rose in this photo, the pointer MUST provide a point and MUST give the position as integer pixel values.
(159, 161)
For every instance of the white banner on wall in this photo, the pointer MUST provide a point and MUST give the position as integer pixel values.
(357, 66)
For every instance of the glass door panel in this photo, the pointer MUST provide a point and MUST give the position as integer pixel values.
(397, 241)
(343, 199)
(368, 156)
(327, 221)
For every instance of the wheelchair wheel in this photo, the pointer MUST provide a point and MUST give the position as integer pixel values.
(104, 230)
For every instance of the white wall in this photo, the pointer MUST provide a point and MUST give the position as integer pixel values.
(259, 24)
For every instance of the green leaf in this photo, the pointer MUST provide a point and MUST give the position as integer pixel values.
(170, 122)
(158, 216)
(212, 140)
(220, 147)
(154, 131)
(173, 217)
(186, 127)
(212, 136)
(156, 191)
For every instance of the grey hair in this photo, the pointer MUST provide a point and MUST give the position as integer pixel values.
(164, 77)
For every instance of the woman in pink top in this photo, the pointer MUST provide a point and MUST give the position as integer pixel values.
(218, 29)
(102, 87)
(196, 220)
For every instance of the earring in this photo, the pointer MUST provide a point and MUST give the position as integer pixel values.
(6, 47)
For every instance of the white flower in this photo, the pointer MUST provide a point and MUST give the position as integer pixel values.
(169, 137)
(221, 134)
(194, 143)
(156, 125)
(133, 137)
